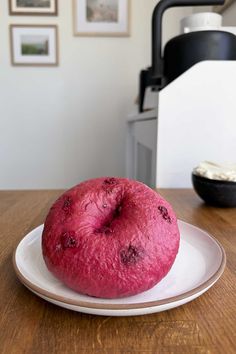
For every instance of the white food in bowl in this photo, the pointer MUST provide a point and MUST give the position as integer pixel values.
(216, 172)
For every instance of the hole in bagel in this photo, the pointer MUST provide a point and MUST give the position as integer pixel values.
(107, 223)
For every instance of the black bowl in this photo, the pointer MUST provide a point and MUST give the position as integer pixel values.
(216, 193)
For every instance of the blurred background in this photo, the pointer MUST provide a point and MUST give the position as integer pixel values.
(61, 125)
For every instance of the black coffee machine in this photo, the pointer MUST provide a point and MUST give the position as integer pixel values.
(183, 51)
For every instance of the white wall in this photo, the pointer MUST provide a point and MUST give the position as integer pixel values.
(61, 125)
(197, 9)
(229, 16)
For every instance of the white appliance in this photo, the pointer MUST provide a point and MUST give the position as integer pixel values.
(194, 119)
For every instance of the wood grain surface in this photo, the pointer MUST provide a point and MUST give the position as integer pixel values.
(29, 324)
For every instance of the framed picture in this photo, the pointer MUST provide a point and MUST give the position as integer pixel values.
(34, 45)
(33, 7)
(101, 17)
(221, 9)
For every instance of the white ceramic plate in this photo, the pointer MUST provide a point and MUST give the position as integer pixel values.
(199, 264)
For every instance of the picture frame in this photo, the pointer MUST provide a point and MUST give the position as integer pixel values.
(33, 7)
(105, 18)
(34, 45)
(221, 9)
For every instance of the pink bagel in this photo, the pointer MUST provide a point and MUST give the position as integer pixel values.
(110, 238)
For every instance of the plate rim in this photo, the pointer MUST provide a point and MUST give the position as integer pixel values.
(120, 307)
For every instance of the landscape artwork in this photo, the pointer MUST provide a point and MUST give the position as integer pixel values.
(107, 18)
(34, 3)
(34, 45)
(33, 7)
(102, 10)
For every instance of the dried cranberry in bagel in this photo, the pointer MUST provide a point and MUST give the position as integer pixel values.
(110, 237)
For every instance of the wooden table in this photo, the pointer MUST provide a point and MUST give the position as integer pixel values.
(32, 325)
